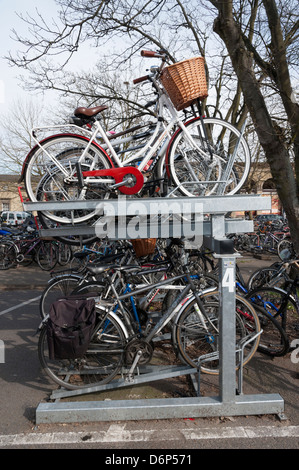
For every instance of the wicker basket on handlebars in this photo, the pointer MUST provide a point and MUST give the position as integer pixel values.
(185, 82)
(144, 246)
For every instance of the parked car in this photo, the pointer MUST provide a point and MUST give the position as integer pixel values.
(13, 218)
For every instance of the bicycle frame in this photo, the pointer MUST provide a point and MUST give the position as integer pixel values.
(29, 245)
(172, 311)
(32, 245)
(197, 157)
(160, 138)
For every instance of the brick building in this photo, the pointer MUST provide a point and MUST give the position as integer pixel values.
(9, 194)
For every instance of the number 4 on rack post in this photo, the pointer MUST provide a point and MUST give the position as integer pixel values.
(228, 279)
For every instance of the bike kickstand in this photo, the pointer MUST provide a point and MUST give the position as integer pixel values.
(130, 376)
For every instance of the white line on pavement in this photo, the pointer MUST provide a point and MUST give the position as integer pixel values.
(19, 305)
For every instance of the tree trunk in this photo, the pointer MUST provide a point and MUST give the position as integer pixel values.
(276, 152)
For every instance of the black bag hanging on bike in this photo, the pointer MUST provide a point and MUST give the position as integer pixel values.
(70, 326)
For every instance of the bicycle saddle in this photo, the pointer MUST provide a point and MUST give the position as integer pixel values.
(89, 112)
(105, 267)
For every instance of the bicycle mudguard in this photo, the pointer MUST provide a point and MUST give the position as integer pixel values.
(184, 303)
(170, 143)
(119, 174)
(31, 152)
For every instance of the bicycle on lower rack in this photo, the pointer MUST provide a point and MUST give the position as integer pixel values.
(118, 347)
(24, 250)
(281, 303)
(87, 254)
(274, 340)
(65, 282)
(203, 156)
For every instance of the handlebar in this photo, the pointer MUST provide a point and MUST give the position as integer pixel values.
(141, 79)
(152, 54)
(294, 261)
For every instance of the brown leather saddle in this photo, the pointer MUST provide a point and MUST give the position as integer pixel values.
(82, 112)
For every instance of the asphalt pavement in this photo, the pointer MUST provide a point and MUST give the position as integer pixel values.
(23, 387)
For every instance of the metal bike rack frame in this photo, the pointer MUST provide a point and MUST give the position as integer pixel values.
(213, 230)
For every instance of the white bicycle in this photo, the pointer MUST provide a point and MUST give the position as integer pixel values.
(199, 157)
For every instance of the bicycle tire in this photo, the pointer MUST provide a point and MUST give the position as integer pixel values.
(60, 286)
(194, 341)
(65, 254)
(72, 240)
(47, 256)
(26, 259)
(53, 185)
(286, 248)
(274, 341)
(99, 365)
(262, 277)
(93, 288)
(204, 281)
(281, 305)
(185, 164)
(8, 254)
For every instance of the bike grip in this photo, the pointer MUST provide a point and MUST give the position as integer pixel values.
(148, 53)
(140, 79)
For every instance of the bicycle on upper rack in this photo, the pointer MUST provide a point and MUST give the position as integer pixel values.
(200, 157)
(119, 347)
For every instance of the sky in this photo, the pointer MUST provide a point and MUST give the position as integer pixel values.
(10, 85)
(11, 90)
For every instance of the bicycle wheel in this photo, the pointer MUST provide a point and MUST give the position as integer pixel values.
(8, 254)
(196, 337)
(64, 254)
(91, 288)
(267, 276)
(202, 281)
(79, 261)
(280, 305)
(72, 240)
(285, 249)
(274, 340)
(58, 287)
(98, 366)
(219, 164)
(58, 181)
(47, 255)
(25, 258)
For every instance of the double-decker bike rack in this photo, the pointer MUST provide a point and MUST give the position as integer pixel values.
(202, 218)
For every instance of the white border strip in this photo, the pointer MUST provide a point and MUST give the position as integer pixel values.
(118, 434)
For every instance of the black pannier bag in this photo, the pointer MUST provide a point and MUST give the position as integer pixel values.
(70, 326)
